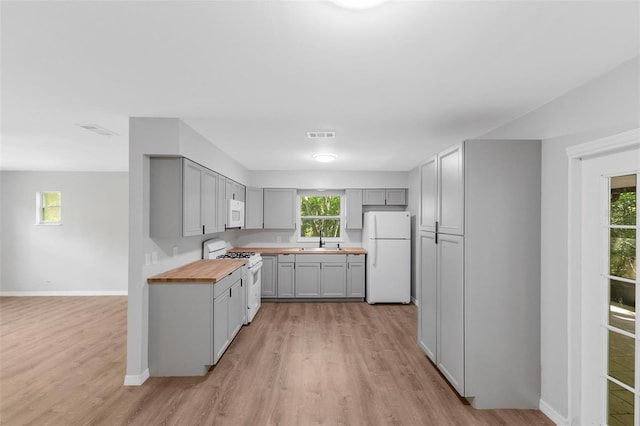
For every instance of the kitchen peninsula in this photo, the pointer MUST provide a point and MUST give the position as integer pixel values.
(195, 311)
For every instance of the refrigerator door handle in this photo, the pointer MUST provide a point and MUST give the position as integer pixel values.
(375, 227)
(375, 252)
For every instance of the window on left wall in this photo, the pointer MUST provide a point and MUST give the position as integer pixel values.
(49, 208)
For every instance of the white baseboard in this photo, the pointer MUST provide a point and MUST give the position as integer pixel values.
(136, 379)
(414, 301)
(553, 414)
(64, 293)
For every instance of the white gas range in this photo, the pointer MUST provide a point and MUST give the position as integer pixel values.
(217, 249)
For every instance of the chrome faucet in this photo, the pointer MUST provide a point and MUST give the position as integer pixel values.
(321, 243)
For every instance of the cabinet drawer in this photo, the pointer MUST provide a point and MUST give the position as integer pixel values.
(226, 283)
(321, 258)
(286, 258)
(355, 258)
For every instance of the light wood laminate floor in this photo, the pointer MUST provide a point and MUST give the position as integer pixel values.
(63, 360)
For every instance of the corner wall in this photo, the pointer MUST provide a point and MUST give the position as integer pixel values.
(87, 254)
(603, 107)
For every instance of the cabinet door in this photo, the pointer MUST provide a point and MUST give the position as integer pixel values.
(396, 197)
(191, 189)
(279, 208)
(333, 279)
(354, 208)
(307, 279)
(208, 200)
(355, 279)
(253, 209)
(221, 204)
(268, 279)
(286, 280)
(228, 189)
(220, 325)
(428, 296)
(239, 192)
(237, 309)
(451, 191)
(374, 197)
(429, 194)
(450, 346)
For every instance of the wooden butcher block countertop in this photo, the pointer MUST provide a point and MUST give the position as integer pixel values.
(298, 250)
(204, 270)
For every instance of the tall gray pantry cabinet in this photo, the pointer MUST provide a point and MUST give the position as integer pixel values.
(479, 270)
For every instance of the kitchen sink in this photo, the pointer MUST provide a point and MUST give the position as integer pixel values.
(320, 249)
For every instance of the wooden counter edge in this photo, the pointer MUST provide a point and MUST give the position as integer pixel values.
(203, 271)
(293, 250)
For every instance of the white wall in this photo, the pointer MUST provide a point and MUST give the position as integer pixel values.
(605, 106)
(88, 254)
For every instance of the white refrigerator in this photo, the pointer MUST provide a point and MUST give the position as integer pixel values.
(387, 238)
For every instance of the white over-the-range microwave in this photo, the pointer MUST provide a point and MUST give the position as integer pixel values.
(235, 214)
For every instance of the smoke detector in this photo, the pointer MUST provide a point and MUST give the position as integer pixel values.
(321, 135)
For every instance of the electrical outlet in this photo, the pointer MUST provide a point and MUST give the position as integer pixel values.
(154, 257)
(279, 238)
(175, 251)
(147, 259)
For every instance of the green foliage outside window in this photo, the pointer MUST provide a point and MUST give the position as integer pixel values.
(51, 207)
(622, 249)
(319, 213)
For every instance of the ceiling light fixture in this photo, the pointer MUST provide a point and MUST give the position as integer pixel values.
(358, 4)
(325, 157)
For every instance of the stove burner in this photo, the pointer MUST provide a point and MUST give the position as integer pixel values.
(237, 255)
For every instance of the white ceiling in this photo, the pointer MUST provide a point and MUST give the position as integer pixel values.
(395, 82)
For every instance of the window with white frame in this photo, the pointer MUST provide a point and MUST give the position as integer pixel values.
(49, 208)
(320, 211)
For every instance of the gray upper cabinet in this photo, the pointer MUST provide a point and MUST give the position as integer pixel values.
(183, 198)
(354, 208)
(253, 208)
(279, 208)
(385, 197)
(374, 197)
(442, 192)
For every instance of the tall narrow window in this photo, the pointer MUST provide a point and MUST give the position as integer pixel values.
(320, 213)
(48, 208)
(623, 389)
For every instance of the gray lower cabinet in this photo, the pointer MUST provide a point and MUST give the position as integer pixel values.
(355, 275)
(333, 281)
(192, 324)
(286, 276)
(268, 277)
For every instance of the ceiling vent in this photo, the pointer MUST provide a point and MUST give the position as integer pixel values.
(321, 135)
(97, 129)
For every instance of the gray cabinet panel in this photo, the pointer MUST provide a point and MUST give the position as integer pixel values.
(286, 280)
(374, 197)
(450, 345)
(428, 296)
(176, 346)
(308, 278)
(221, 325)
(268, 279)
(333, 280)
(396, 197)
(253, 208)
(191, 187)
(429, 194)
(209, 197)
(221, 205)
(354, 208)
(451, 191)
(279, 208)
(355, 279)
